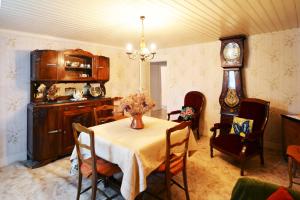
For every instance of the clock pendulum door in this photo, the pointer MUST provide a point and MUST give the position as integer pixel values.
(232, 52)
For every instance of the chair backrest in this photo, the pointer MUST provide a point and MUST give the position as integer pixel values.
(170, 145)
(77, 129)
(255, 109)
(194, 99)
(104, 109)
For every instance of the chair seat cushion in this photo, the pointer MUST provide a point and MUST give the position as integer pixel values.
(233, 144)
(103, 167)
(176, 165)
(294, 152)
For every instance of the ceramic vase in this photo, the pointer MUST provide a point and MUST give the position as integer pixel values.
(137, 121)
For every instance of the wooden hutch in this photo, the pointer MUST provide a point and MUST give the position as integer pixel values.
(49, 122)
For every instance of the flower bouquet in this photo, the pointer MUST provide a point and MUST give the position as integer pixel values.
(137, 105)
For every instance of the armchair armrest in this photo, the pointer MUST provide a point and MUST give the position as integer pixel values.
(219, 126)
(173, 113)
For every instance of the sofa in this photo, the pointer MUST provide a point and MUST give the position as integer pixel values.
(252, 189)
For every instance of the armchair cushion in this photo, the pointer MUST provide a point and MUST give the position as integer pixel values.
(233, 144)
(187, 113)
(241, 126)
(280, 194)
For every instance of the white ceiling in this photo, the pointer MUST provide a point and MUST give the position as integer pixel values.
(168, 23)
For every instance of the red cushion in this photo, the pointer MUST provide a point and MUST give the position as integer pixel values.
(280, 194)
(103, 167)
(294, 152)
(176, 165)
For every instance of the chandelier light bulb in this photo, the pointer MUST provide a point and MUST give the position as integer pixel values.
(153, 48)
(129, 48)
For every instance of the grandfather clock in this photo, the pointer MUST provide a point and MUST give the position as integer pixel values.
(232, 56)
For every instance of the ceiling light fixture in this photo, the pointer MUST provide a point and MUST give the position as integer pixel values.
(144, 54)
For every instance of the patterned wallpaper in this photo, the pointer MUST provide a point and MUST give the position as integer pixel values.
(271, 72)
(15, 50)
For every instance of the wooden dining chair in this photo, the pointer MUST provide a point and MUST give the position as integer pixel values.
(111, 112)
(94, 167)
(175, 163)
(103, 110)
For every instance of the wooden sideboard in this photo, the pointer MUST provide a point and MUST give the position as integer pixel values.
(290, 130)
(49, 121)
(49, 127)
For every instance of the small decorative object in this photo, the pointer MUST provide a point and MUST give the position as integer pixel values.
(137, 105)
(40, 91)
(95, 91)
(52, 93)
(69, 91)
(187, 113)
(241, 126)
(86, 89)
(75, 64)
(68, 63)
(77, 95)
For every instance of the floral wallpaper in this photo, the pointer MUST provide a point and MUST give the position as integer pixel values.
(271, 72)
(15, 50)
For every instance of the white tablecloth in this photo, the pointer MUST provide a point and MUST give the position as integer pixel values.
(137, 152)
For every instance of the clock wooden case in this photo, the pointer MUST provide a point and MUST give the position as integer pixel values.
(232, 59)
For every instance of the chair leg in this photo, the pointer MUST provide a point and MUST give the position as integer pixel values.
(186, 188)
(79, 185)
(262, 162)
(294, 167)
(106, 182)
(168, 186)
(94, 186)
(198, 134)
(290, 169)
(243, 160)
(211, 152)
(242, 168)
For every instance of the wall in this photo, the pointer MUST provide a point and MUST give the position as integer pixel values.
(164, 88)
(15, 49)
(272, 72)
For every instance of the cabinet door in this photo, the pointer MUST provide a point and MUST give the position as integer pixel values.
(44, 64)
(44, 133)
(102, 68)
(80, 114)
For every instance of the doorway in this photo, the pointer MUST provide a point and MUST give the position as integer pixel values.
(158, 85)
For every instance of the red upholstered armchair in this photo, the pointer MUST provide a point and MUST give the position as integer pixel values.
(243, 148)
(195, 100)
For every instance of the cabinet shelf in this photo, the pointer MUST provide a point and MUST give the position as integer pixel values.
(78, 68)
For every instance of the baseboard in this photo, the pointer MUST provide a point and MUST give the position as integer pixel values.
(12, 158)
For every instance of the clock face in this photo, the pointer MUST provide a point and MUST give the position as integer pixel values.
(232, 53)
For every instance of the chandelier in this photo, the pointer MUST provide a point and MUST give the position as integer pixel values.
(144, 54)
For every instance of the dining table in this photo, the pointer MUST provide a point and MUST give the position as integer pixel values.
(138, 152)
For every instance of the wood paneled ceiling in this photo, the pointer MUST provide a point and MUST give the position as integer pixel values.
(168, 23)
